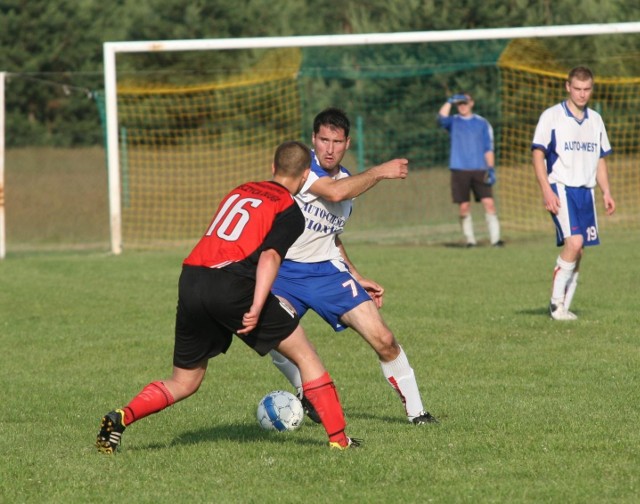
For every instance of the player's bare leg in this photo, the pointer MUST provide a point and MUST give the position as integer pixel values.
(153, 398)
(366, 320)
(318, 387)
(292, 373)
(298, 349)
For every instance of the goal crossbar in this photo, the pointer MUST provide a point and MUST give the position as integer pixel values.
(111, 49)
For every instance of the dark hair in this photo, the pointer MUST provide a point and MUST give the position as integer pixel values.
(582, 73)
(334, 118)
(292, 158)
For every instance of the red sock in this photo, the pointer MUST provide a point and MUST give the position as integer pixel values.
(322, 394)
(153, 398)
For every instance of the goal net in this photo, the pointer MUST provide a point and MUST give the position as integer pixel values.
(183, 147)
(183, 139)
(531, 80)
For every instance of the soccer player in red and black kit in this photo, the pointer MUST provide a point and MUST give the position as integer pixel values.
(225, 288)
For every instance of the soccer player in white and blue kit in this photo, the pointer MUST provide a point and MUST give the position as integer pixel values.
(569, 147)
(317, 274)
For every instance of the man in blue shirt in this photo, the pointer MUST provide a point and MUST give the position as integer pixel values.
(472, 164)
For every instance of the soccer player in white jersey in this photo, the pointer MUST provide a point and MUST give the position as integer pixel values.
(569, 149)
(317, 274)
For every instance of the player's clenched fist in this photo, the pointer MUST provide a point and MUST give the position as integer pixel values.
(394, 169)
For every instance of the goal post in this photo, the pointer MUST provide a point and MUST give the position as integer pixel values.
(3, 248)
(113, 49)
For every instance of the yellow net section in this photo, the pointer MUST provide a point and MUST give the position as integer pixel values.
(184, 147)
(531, 81)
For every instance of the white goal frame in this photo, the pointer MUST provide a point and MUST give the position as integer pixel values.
(111, 49)
(3, 243)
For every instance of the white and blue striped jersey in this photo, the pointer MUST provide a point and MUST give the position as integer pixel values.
(324, 220)
(471, 138)
(572, 147)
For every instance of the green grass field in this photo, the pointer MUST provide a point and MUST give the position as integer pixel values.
(531, 410)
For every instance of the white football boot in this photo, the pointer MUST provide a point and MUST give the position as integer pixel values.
(559, 312)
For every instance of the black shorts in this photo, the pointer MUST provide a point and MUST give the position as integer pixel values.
(211, 304)
(463, 182)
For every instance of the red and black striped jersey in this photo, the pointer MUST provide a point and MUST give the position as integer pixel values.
(254, 217)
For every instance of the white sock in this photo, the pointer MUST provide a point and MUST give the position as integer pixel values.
(467, 229)
(401, 377)
(494, 227)
(288, 369)
(571, 289)
(561, 276)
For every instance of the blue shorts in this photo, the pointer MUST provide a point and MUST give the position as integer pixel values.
(327, 288)
(577, 214)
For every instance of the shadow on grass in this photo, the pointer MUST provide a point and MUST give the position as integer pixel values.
(251, 434)
(479, 244)
(235, 433)
(543, 312)
(399, 419)
(459, 245)
(534, 311)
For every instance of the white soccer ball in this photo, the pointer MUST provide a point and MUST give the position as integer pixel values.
(280, 410)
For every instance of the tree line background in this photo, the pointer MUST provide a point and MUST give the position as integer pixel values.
(52, 51)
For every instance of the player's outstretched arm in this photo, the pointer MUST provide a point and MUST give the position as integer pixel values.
(350, 187)
(266, 272)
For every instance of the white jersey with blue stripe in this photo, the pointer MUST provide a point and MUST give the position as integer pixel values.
(572, 147)
(324, 220)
